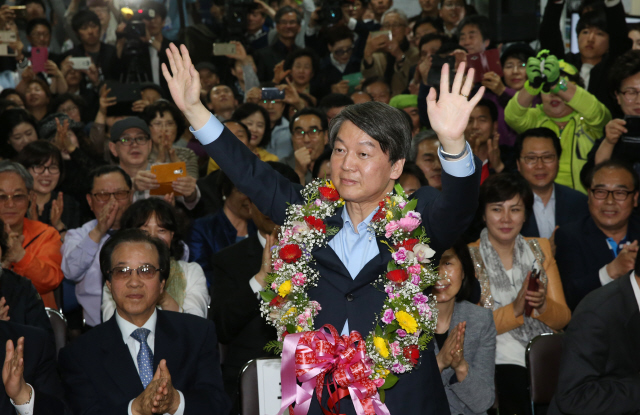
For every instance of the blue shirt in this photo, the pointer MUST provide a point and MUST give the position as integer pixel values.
(353, 248)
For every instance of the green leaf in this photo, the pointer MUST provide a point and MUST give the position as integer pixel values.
(399, 190)
(381, 392)
(391, 266)
(418, 232)
(390, 381)
(378, 331)
(390, 328)
(291, 328)
(274, 347)
(267, 295)
(332, 230)
(409, 206)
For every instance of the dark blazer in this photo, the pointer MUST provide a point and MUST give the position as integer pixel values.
(236, 309)
(581, 250)
(329, 75)
(267, 58)
(39, 368)
(599, 371)
(570, 206)
(100, 377)
(25, 304)
(445, 216)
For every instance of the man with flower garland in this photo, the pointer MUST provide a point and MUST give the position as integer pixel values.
(370, 143)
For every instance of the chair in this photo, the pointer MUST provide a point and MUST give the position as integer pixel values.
(543, 366)
(249, 387)
(59, 326)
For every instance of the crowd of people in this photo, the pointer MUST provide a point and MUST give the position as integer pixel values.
(526, 176)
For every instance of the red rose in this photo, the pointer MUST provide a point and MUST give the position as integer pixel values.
(397, 275)
(407, 244)
(412, 353)
(290, 253)
(316, 223)
(380, 214)
(329, 193)
(277, 301)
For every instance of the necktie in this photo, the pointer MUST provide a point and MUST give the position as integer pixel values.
(145, 356)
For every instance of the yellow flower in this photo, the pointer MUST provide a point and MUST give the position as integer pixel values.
(407, 322)
(381, 345)
(290, 311)
(389, 215)
(330, 184)
(382, 373)
(299, 328)
(285, 288)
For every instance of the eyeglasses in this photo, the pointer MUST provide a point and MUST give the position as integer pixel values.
(312, 133)
(514, 66)
(53, 169)
(145, 272)
(546, 159)
(43, 35)
(619, 195)
(630, 95)
(341, 52)
(163, 124)
(126, 140)
(69, 109)
(20, 199)
(105, 196)
(271, 102)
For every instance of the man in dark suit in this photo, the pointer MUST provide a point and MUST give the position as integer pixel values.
(602, 247)
(367, 159)
(143, 358)
(599, 371)
(239, 272)
(538, 158)
(33, 384)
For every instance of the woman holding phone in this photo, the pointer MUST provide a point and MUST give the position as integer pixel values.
(503, 261)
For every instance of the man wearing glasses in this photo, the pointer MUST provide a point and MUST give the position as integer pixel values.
(109, 197)
(340, 61)
(602, 247)
(309, 138)
(142, 359)
(538, 151)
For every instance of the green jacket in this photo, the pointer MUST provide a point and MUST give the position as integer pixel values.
(577, 137)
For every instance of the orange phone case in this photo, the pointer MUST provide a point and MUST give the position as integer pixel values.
(167, 174)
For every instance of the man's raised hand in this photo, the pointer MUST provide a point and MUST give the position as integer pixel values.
(449, 115)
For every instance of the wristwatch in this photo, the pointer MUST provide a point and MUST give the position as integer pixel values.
(448, 156)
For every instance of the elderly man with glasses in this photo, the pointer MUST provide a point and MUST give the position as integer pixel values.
(602, 247)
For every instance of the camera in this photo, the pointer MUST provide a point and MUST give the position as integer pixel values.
(330, 12)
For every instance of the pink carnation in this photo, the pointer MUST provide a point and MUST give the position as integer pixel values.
(318, 202)
(400, 256)
(398, 368)
(420, 299)
(390, 227)
(274, 286)
(408, 224)
(401, 205)
(413, 214)
(414, 269)
(415, 279)
(378, 382)
(401, 333)
(388, 316)
(388, 289)
(395, 348)
(277, 264)
(298, 279)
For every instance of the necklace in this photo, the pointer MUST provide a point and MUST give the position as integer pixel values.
(404, 326)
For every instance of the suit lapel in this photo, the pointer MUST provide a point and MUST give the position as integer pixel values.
(165, 342)
(118, 362)
(630, 306)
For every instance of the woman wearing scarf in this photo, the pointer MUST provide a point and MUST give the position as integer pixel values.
(186, 288)
(567, 109)
(503, 260)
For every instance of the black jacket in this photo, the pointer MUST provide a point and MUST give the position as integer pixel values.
(570, 206)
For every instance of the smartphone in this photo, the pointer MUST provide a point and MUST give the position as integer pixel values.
(167, 174)
(632, 136)
(534, 285)
(222, 49)
(382, 32)
(7, 36)
(19, 11)
(5, 50)
(437, 63)
(483, 62)
(272, 93)
(39, 57)
(80, 62)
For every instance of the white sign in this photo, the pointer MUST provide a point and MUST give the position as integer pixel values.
(269, 386)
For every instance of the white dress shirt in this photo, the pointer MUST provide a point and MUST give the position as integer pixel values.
(545, 215)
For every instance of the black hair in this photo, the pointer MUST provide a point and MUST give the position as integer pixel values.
(334, 101)
(240, 123)
(337, 34)
(9, 120)
(107, 169)
(60, 99)
(448, 46)
(435, 22)
(461, 251)
(626, 65)
(247, 110)
(38, 153)
(158, 108)
(27, 2)
(139, 213)
(430, 38)
(31, 24)
(6, 104)
(613, 164)
(225, 185)
(542, 132)
(84, 17)
(11, 91)
(594, 18)
(481, 22)
(491, 106)
(393, 135)
(286, 10)
(412, 169)
(286, 170)
(374, 80)
(520, 51)
(134, 236)
(324, 124)
(633, 26)
(313, 56)
(326, 155)
(158, 7)
(504, 186)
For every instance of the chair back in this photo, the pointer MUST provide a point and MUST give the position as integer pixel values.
(543, 366)
(249, 403)
(59, 326)
(259, 386)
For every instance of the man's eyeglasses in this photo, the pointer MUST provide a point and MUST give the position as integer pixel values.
(312, 133)
(105, 196)
(342, 52)
(619, 195)
(127, 140)
(630, 95)
(20, 199)
(146, 272)
(546, 159)
(53, 169)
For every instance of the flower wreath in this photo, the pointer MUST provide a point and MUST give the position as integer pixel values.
(405, 324)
